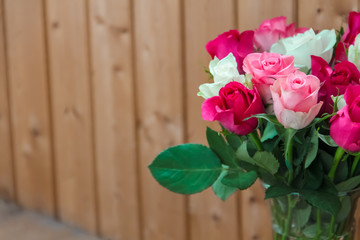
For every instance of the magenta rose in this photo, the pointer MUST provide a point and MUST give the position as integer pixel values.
(234, 103)
(334, 82)
(296, 99)
(265, 68)
(345, 125)
(348, 38)
(272, 30)
(233, 42)
(353, 28)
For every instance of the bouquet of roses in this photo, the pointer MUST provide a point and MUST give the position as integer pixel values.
(288, 102)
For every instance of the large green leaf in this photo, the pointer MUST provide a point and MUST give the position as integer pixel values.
(221, 190)
(240, 180)
(187, 168)
(221, 148)
(325, 199)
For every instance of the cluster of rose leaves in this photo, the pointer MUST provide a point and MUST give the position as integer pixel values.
(277, 58)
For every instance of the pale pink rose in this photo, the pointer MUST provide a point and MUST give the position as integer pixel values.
(296, 99)
(265, 68)
(272, 30)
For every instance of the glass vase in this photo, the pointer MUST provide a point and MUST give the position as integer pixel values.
(295, 219)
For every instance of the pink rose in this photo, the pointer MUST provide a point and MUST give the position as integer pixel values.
(353, 28)
(345, 125)
(334, 82)
(234, 103)
(295, 99)
(239, 45)
(266, 68)
(272, 30)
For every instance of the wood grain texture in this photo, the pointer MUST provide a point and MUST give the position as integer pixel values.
(111, 47)
(325, 14)
(251, 13)
(26, 57)
(7, 189)
(255, 211)
(71, 109)
(209, 217)
(159, 85)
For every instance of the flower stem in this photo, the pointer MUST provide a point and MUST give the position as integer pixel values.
(338, 155)
(331, 228)
(318, 224)
(354, 165)
(291, 205)
(255, 137)
(289, 141)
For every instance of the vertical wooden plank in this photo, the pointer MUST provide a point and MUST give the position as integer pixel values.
(26, 56)
(325, 14)
(159, 76)
(6, 159)
(71, 109)
(251, 13)
(255, 213)
(111, 48)
(209, 217)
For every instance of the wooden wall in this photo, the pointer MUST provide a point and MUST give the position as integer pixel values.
(92, 90)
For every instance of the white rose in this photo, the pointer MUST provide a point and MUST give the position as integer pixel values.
(339, 100)
(223, 71)
(354, 52)
(303, 45)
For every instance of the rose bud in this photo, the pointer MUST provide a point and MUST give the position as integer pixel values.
(234, 104)
(272, 30)
(265, 69)
(295, 99)
(345, 125)
(233, 42)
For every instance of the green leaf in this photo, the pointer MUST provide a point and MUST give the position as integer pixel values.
(314, 175)
(344, 210)
(223, 191)
(301, 214)
(269, 132)
(328, 140)
(262, 159)
(289, 135)
(240, 180)
(221, 148)
(267, 161)
(278, 191)
(349, 184)
(234, 140)
(323, 200)
(187, 168)
(313, 148)
(310, 231)
(243, 155)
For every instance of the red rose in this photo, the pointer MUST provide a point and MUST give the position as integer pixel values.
(334, 82)
(239, 45)
(234, 103)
